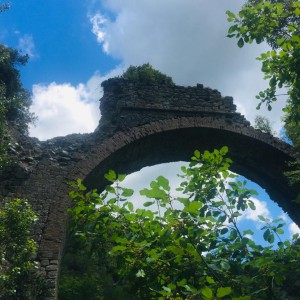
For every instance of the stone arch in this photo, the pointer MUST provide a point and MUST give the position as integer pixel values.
(129, 151)
(144, 124)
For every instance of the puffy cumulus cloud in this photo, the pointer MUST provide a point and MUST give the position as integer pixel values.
(26, 44)
(187, 40)
(64, 109)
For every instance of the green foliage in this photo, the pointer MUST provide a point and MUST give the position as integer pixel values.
(190, 247)
(17, 249)
(263, 124)
(277, 23)
(14, 100)
(147, 74)
(4, 160)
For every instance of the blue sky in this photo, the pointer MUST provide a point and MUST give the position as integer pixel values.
(76, 44)
(58, 37)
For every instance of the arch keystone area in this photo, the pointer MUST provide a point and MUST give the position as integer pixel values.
(142, 124)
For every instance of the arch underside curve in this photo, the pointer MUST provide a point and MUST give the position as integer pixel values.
(253, 155)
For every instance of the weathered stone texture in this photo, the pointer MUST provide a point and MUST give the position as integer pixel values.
(142, 124)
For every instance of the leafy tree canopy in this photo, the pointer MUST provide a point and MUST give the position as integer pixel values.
(146, 73)
(17, 251)
(14, 99)
(278, 24)
(189, 247)
(263, 124)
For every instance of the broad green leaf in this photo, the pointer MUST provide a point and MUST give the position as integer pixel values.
(279, 230)
(184, 201)
(197, 153)
(210, 280)
(232, 29)
(127, 192)
(251, 205)
(167, 289)
(245, 241)
(201, 248)
(268, 236)
(230, 15)
(121, 177)
(190, 288)
(130, 217)
(224, 230)
(163, 182)
(207, 292)
(223, 291)
(225, 265)
(240, 42)
(130, 206)
(121, 240)
(155, 193)
(110, 189)
(181, 282)
(194, 206)
(233, 234)
(111, 176)
(80, 185)
(222, 219)
(119, 248)
(280, 41)
(262, 218)
(148, 203)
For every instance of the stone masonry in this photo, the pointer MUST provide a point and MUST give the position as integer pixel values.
(142, 124)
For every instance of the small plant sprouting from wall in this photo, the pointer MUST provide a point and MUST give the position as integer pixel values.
(146, 73)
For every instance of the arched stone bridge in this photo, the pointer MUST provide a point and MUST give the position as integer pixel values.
(142, 124)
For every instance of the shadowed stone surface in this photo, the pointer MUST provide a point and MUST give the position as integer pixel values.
(141, 125)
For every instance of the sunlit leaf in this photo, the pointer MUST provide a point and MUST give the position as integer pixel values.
(111, 176)
(223, 291)
(207, 292)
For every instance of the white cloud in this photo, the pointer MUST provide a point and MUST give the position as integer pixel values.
(26, 44)
(98, 21)
(187, 40)
(293, 228)
(261, 209)
(64, 109)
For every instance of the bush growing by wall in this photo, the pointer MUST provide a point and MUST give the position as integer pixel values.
(146, 73)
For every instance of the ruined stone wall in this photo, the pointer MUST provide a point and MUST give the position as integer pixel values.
(130, 103)
(141, 124)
